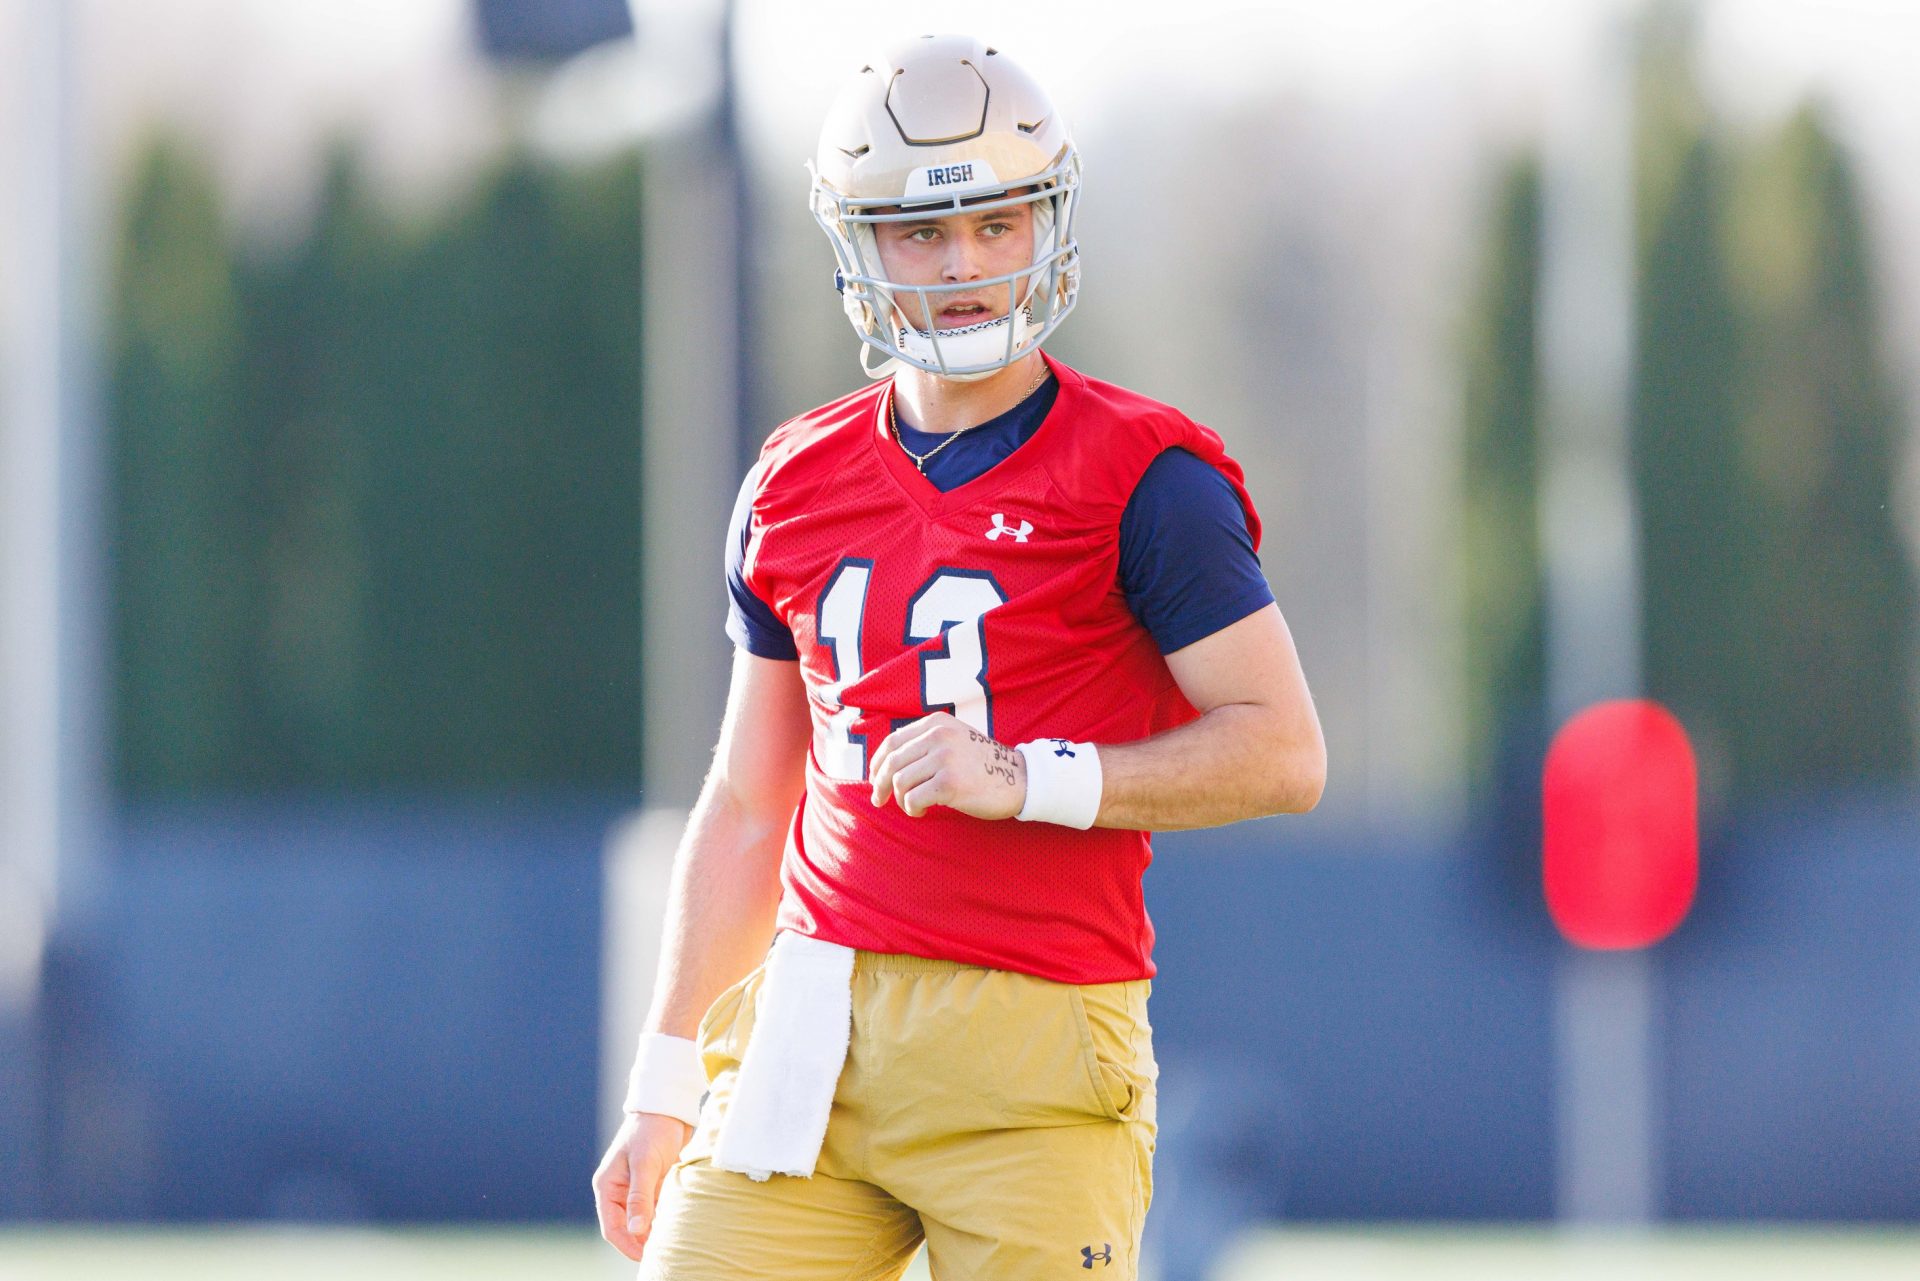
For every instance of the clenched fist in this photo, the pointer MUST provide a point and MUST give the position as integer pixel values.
(937, 760)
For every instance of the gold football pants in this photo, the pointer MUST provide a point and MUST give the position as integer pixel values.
(1007, 1120)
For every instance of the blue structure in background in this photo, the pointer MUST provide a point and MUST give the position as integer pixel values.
(1792, 1004)
(548, 30)
(364, 1011)
(1399, 1019)
(1358, 1029)
(379, 1011)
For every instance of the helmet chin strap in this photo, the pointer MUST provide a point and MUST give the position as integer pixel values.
(982, 344)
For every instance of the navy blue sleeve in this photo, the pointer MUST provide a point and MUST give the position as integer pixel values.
(750, 621)
(1187, 563)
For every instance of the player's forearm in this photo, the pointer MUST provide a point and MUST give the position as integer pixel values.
(720, 909)
(1238, 761)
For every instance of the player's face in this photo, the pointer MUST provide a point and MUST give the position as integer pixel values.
(955, 250)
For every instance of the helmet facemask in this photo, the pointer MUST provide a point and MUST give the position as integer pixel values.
(1039, 295)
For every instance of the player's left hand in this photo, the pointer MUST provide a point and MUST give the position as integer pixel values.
(937, 760)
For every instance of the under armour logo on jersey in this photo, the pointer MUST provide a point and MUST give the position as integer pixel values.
(1104, 1255)
(1000, 526)
(1061, 747)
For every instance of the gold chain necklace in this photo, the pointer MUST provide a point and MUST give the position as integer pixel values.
(920, 460)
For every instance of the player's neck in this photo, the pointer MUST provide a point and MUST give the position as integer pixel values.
(941, 405)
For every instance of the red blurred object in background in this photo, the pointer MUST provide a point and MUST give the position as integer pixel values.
(1622, 832)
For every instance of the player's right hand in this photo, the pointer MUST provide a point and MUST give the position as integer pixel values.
(626, 1187)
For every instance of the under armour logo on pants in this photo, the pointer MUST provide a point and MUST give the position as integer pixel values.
(1105, 1255)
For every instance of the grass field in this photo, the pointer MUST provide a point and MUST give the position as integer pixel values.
(1374, 1254)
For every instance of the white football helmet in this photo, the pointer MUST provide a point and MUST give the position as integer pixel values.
(936, 126)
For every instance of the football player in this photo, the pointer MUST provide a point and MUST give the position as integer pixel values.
(995, 621)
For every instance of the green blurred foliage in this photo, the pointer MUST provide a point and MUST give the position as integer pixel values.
(1778, 601)
(1698, 649)
(1504, 609)
(376, 497)
(1822, 433)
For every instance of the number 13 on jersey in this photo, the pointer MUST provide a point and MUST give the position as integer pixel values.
(953, 675)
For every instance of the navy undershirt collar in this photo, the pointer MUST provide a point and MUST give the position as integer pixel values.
(979, 449)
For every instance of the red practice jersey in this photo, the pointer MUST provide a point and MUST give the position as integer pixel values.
(997, 601)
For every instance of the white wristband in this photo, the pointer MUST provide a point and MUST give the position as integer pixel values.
(667, 1077)
(1063, 783)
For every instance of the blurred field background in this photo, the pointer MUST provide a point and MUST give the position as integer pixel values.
(1374, 1254)
(376, 379)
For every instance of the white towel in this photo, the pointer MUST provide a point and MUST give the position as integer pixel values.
(803, 1019)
